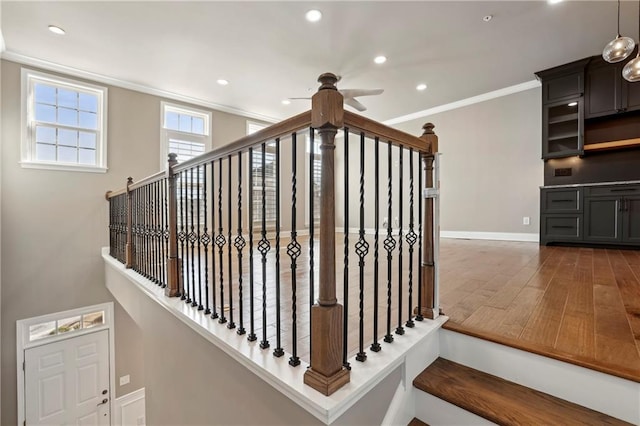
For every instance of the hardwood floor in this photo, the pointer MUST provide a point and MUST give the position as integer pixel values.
(580, 305)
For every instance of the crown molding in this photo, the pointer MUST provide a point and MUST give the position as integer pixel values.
(465, 102)
(75, 72)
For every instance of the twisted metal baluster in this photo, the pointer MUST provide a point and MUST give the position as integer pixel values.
(193, 238)
(278, 351)
(400, 329)
(345, 276)
(264, 246)
(182, 236)
(419, 316)
(199, 240)
(252, 335)
(231, 324)
(206, 239)
(294, 250)
(362, 248)
(389, 242)
(375, 346)
(214, 305)
(239, 243)
(220, 242)
(411, 240)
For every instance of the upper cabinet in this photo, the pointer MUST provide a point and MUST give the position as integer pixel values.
(607, 92)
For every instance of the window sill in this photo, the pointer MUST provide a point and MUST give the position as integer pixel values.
(62, 167)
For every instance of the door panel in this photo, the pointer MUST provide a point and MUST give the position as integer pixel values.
(65, 380)
(601, 219)
(631, 221)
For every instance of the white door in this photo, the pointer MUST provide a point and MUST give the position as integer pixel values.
(67, 382)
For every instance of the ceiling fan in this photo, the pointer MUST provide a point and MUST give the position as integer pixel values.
(350, 96)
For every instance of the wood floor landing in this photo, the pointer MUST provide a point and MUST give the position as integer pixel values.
(579, 305)
(501, 401)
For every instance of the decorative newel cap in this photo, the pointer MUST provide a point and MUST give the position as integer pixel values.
(428, 129)
(328, 81)
(173, 157)
(129, 180)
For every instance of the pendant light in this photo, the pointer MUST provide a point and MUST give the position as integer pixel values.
(631, 71)
(619, 48)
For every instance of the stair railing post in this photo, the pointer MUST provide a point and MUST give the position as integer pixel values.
(428, 266)
(326, 373)
(174, 265)
(129, 245)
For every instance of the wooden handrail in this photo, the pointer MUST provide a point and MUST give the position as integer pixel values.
(374, 129)
(149, 179)
(282, 128)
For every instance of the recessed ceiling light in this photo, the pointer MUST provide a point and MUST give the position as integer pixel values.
(553, 1)
(421, 87)
(286, 102)
(56, 30)
(313, 15)
(380, 59)
(487, 18)
(223, 82)
(572, 104)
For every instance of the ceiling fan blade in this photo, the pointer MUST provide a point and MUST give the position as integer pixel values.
(355, 104)
(353, 93)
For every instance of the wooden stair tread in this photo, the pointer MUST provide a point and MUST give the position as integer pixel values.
(417, 422)
(501, 401)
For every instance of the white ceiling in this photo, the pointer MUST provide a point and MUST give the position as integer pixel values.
(269, 52)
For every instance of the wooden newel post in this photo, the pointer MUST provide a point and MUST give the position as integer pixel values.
(427, 267)
(129, 246)
(174, 265)
(326, 373)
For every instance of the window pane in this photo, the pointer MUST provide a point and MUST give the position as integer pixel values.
(45, 134)
(87, 156)
(67, 137)
(67, 98)
(88, 102)
(171, 120)
(69, 324)
(67, 154)
(89, 120)
(198, 125)
(68, 117)
(92, 319)
(45, 152)
(45, 94)
(87, 140)
(39, 331)
(45, 113)
(185, 123)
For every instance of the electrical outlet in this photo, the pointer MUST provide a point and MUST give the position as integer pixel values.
(124, 380)
(526, 220)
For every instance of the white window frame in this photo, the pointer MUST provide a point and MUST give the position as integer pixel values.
(28, 160)
(253, 127)
(167, 134)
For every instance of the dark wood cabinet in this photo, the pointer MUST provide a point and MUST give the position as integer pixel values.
(600, 214)
(606, 92)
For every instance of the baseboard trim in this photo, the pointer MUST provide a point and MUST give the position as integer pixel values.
(499, 236)
(129, 409)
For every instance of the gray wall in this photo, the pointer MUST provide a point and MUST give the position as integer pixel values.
(490, 167)
(54, 224)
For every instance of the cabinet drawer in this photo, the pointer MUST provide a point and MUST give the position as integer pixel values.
(563, 200)
(561, 227)
(613, 190)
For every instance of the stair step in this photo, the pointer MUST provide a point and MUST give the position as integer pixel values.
(417, 422)
(501, 401)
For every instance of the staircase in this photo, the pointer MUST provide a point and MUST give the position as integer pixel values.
(480, 382)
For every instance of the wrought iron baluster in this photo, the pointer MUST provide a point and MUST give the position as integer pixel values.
(165, 232)
(205, 238)
(264, 247)
(345, 275)
(252, 335)
(419, 316)
(400, 329)
(278, 351)
(239, 243)
(231, 323)
(158, 234)
(294, 250)
(220, 242)
(145, 231)
(389, 242)
(375, 346)
(411, 240)
(193, 238)
(214, 306)
(199, 175)
(182, 236)
(362, 249)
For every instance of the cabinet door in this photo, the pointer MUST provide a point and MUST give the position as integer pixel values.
(562, 124)
(560, 228)
(602, 219)
(630, 96)
(563, 87)
(631, 220)
(602, 90)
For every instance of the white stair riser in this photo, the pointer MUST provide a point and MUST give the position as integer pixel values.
(438, 412)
